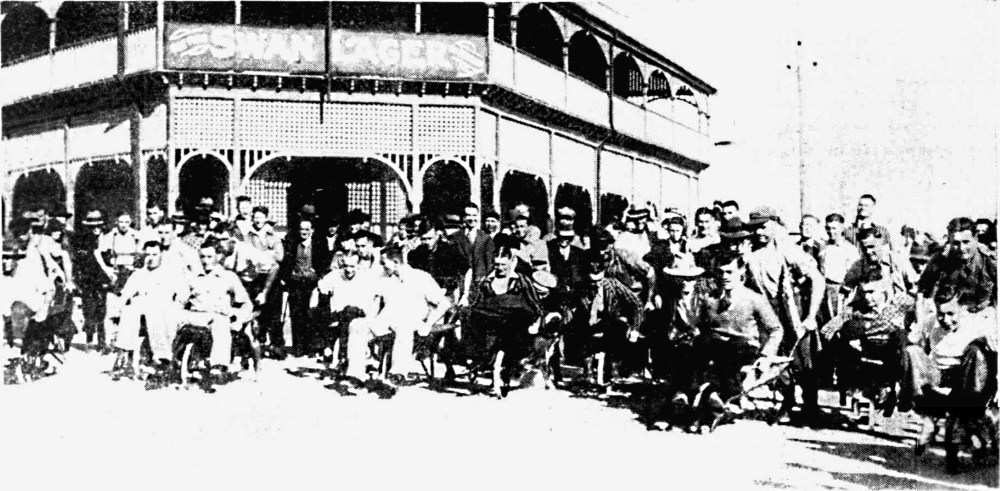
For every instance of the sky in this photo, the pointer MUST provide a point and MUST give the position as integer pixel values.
(902, 102)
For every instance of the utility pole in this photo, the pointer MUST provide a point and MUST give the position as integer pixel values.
(803, 168)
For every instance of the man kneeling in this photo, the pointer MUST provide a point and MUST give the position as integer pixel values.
(412, 302)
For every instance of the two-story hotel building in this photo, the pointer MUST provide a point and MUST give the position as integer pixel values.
(388, 107)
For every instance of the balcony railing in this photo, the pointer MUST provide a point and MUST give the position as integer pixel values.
(140, 51)
(83, 63)
(97, 59)
(71, 66)
(552, 86)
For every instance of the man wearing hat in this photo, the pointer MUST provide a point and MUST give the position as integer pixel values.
(565, 220)
(636, 236)
(91, 280)
(779, 270)
(491, 223)
(566, 257)
(671, 341)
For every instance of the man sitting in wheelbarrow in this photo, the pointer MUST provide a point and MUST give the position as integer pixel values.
(950, 367)
(863, 345)
(218, 303)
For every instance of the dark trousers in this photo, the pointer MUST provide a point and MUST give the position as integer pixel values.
(723, 360)
(95, 307)
(303, 335)
(268, 325)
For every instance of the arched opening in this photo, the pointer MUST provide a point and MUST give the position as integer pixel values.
(141, 14)
(285, 185)
(25, 32)
(278, 14)
(453, 18)
(203, 176)
(105, 186)
(628, 79)
(207, 12)
(613, 207)
(487, 181)
(586, 59)
(659, 86)
(520, 187)
(539, 35)
(579, 199)
(38, 189)
(501, 22)
(78, 21)
(374, 16)
(157, 176)
(447, 189)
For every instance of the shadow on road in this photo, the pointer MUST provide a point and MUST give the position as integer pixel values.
(899, 468)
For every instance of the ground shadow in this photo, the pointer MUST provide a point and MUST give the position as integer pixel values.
(903, 469)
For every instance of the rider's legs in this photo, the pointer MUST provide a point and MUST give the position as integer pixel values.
(360, 333)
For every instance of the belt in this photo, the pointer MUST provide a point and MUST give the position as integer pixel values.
(834, 283)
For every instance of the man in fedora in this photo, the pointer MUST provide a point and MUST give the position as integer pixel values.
(565, 220)
(566, 257)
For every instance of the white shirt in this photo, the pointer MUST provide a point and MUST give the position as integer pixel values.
(836, 259)
(408, 297)
(357, 292)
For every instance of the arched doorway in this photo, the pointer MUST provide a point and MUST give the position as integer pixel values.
(613, 207)
(628, 80)
(520, 187)
(203, 176)
(487, 182)
(38, 189)
(447, 189)
(106, 186)
(586, 59)
(24, 32)
(78, 21)
(538, 34)
(579, 199)
(333, 185)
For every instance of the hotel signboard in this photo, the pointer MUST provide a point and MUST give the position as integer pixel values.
(239, 48)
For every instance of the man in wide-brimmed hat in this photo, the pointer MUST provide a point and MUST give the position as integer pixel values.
(91, 280)
(671, 342)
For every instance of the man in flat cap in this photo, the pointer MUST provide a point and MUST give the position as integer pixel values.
(778, 269)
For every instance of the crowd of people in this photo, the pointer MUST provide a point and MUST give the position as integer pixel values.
(645, 295)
